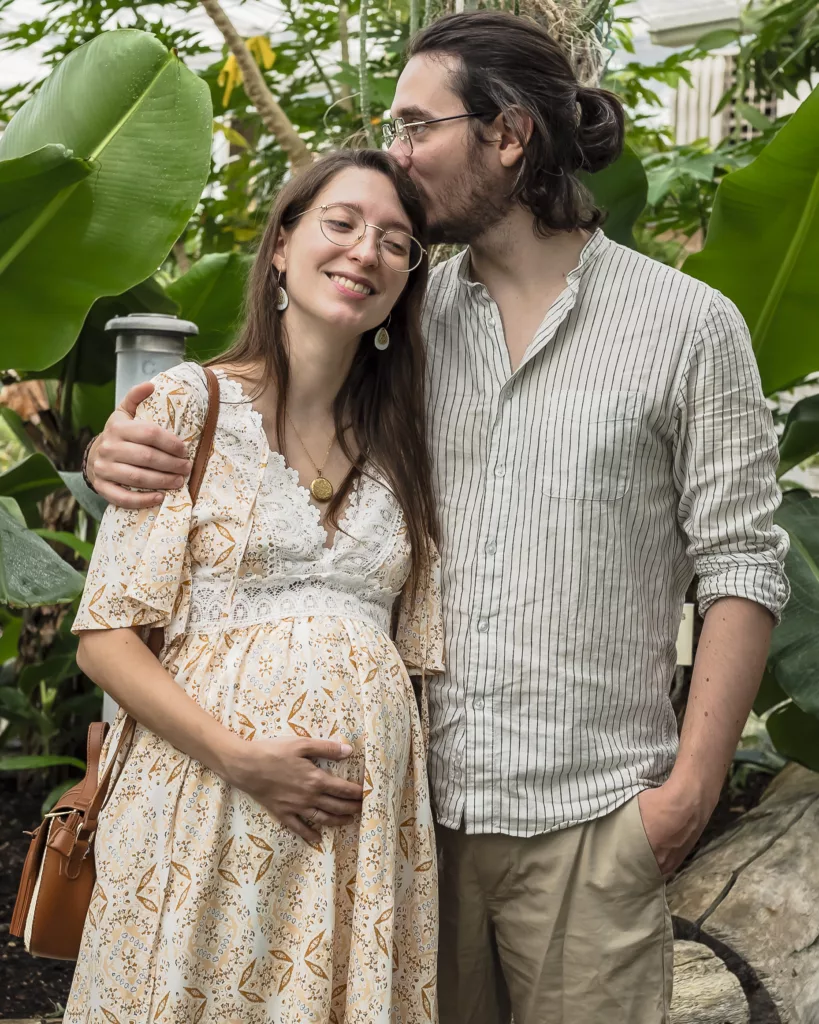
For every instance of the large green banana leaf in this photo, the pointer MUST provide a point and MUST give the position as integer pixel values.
(17, 427)
(28, 482)
(93, 357)
(762, 248)
(795, 734)
(91, 406)
(34, 477)
(794, 654)
(621, 191)
(800, 438)
(31, 573)
(87, 499)
(127, 104)
(28, 182)
(211, 295)
(10, 628)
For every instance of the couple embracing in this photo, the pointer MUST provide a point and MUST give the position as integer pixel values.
(437, 561)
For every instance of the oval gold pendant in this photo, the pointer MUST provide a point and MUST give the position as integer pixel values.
(321, 489)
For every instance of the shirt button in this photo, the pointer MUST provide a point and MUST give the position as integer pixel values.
(491, 321)
(500, 470)
(491, 547)
(477, 704)
(483, 625)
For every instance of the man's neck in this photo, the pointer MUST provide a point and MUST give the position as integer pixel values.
(510, 256)
(524, 273)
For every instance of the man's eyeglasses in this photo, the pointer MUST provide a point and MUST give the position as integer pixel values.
(399, 131)
(344, 225)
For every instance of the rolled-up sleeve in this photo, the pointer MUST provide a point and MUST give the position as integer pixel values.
(725, 467)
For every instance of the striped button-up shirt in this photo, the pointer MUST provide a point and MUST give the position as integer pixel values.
(578, 495)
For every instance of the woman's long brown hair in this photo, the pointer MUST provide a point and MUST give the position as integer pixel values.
(383, 400)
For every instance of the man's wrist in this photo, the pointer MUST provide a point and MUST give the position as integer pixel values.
(84, 466)
(693, 795)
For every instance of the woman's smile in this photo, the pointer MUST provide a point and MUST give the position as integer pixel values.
(352, 286)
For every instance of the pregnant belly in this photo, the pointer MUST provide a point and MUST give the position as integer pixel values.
(312, 678)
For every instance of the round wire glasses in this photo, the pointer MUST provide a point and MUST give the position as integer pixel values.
(402, 132)
(344, 225)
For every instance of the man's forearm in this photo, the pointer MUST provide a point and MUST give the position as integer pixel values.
(730, 660)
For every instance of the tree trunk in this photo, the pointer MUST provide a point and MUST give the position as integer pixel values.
(259, 94)
(746, 915)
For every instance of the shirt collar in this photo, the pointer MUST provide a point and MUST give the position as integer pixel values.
(588, 254)
(596, 243)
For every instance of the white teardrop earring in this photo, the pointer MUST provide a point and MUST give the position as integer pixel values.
(282, 298)
(382, 336)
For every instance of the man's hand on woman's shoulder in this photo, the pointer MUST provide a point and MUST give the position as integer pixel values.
(132, 454)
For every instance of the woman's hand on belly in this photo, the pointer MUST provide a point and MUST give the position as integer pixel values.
(280, 774)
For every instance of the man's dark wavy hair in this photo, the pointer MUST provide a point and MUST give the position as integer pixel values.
(510, 65)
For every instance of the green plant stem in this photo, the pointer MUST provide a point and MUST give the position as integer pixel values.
(413, 23)
(67, 395)
(363, 78)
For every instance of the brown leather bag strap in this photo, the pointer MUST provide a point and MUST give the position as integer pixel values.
(101, 792)
(79, 797)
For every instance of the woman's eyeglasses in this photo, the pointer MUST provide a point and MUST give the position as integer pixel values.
(344, 225)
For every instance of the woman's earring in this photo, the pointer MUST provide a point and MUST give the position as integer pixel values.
(382, 336)
(282, 298)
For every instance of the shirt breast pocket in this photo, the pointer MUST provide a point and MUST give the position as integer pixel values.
(590, 441)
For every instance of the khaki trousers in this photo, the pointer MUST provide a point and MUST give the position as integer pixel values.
(571, 927)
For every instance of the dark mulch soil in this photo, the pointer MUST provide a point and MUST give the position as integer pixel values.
(31, 986)
(28, 985)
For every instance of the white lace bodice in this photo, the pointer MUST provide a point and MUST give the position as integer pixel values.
(284, 566)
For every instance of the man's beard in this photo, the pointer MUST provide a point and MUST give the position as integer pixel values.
(474, 203)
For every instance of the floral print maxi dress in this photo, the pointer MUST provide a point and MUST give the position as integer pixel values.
(206, 909)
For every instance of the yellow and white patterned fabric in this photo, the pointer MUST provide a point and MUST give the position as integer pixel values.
(206, 909)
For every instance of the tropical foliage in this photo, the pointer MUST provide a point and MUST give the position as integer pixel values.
(113, 199)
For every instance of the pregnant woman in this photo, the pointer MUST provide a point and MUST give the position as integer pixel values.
(267, 852)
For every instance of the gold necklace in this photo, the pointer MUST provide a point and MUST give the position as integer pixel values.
(321, 488)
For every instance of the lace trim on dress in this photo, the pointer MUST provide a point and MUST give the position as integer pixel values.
(285, 566)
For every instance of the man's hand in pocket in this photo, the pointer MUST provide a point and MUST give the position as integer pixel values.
(673, 822)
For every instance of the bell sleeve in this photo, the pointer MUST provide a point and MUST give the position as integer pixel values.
(139, 574)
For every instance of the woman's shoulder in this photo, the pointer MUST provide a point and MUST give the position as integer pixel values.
(188, 378)
(179, 400)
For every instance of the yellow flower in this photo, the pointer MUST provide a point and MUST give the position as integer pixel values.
(231, 74)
